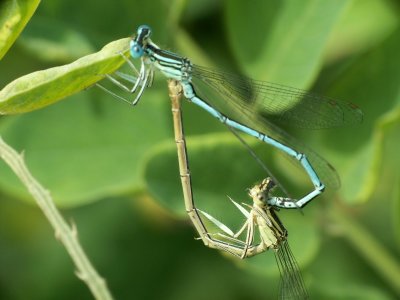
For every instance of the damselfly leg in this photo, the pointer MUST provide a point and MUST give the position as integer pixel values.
(272, 235)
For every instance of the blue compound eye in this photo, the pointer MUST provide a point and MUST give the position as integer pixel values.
(136, 50)
(139, 42)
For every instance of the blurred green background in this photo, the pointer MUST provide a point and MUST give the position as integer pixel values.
(113, 168)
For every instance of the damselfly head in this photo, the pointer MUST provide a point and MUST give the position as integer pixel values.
(257, 194)
(267, 185)
(144, 31)
(260, 192)
(138, 43)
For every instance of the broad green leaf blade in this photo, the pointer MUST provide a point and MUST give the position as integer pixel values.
(388, 189)
(42, 88)
(373, 82)
(87, 148)
(214, 163)
(14, 14)
(365, 23)
(396, 208)
(53, 41)
(286, 40)
(380, 157)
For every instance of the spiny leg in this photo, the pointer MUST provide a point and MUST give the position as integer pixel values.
(130, 63)
(143, 79)
(112, 93)
(230, 235)
(225, 228)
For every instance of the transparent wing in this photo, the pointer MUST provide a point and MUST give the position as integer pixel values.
(292, 284)
(229, 98)
(281, 104)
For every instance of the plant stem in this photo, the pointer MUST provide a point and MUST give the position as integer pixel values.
(66, 234)
(377, 255)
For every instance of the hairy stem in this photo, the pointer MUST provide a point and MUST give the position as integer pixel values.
(65, 233)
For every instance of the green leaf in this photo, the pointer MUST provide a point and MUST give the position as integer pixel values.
(395, 209)
(214, 162)
(14, 14)
(389, 170)
(358, 159)
(107, 20)
(42, 88)
(380, 156)
(364, 24)
(87, 148)
(286, 40)
(60, 42)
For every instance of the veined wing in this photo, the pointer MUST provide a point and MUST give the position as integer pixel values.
(292, 284)
(228, 100)
(281, 104)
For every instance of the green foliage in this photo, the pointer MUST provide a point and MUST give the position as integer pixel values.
(61, 42)
(300, 30)
(42, 88)
(91, 148)
(98, 141)
(14, 14)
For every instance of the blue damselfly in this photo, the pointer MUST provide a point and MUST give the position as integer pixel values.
(253, 107)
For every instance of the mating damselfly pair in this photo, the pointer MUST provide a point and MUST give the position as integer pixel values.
(255, 108)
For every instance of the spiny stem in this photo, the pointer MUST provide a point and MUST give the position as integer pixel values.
(66, 234)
